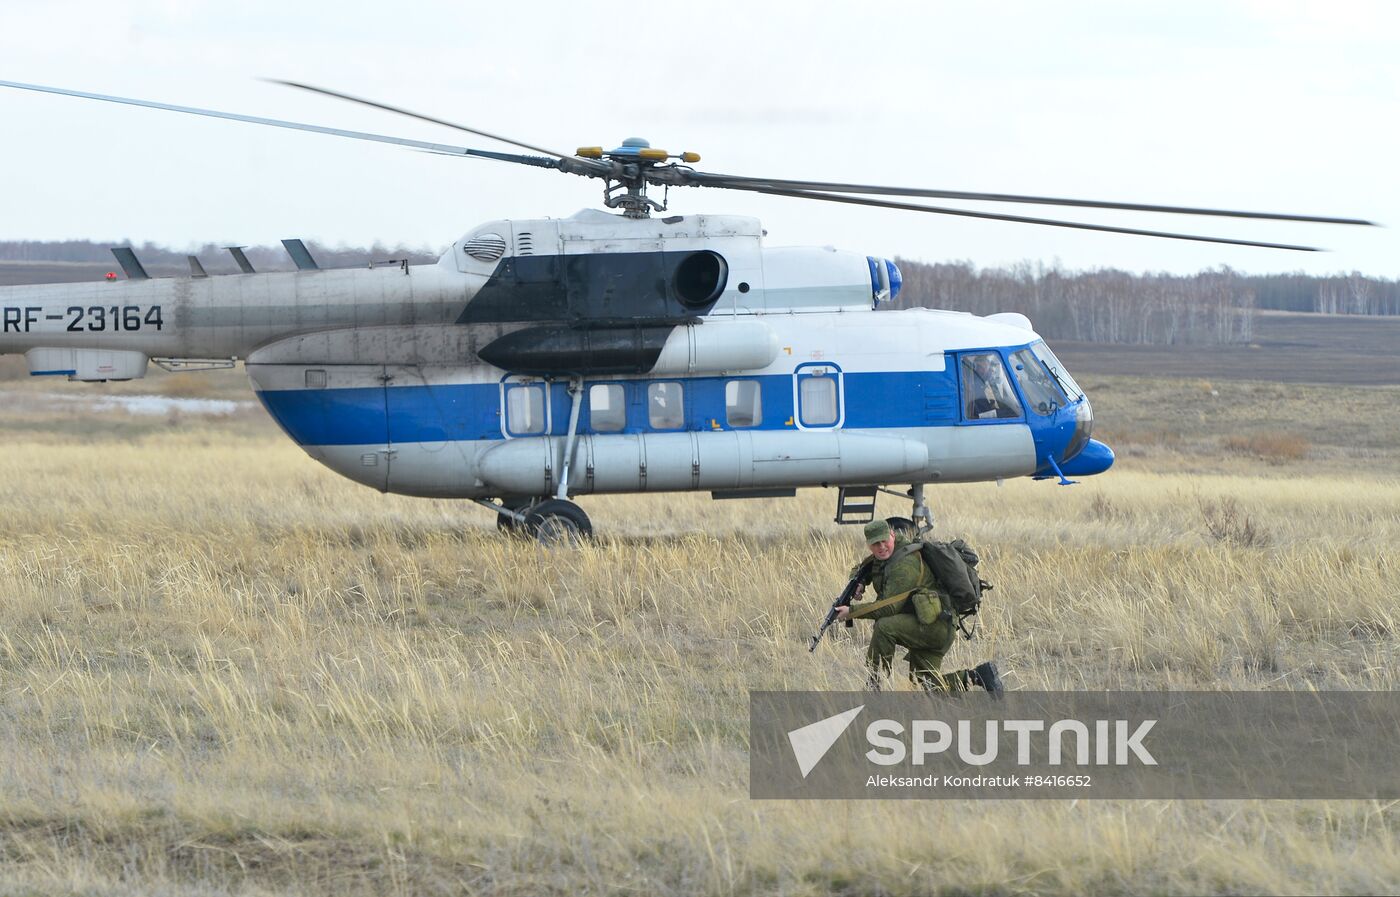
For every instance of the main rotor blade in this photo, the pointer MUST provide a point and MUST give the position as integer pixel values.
(740, 183)
(418, 115)
(1021, 219)
(444, 148)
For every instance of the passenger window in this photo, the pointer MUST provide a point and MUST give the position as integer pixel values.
(817, 395)
(987, 394)
(1040, 391)
(607, 407)
(743, 403)
(525, 409)
(664, 409)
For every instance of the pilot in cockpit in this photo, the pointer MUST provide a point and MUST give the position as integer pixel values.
(987, 392)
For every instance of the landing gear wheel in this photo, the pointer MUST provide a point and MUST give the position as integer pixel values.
(903, 525)
(557, 522)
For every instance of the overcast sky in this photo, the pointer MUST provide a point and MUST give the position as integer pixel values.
(1279, 106)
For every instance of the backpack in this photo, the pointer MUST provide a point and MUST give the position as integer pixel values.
(954, 565)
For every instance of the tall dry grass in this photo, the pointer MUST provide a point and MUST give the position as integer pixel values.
(223, 670)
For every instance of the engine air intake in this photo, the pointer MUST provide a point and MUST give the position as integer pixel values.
(700, 278)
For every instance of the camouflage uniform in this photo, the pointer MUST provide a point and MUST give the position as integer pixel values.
(916, 624)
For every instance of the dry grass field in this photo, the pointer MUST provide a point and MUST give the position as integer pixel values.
(224, 670)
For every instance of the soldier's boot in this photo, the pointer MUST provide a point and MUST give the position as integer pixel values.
(986, 675)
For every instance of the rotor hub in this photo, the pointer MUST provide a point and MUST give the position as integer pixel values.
(634, 165)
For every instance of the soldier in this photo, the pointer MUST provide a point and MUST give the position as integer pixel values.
(909, 613)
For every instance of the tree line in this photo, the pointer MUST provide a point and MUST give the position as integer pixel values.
(1336, 294)
(1108, 305)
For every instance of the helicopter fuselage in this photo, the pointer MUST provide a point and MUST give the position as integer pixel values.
(657, 354)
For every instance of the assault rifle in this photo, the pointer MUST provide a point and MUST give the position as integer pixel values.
(847, 595)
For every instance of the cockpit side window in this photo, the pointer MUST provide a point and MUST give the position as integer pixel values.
(987, 394)
(1040, 391)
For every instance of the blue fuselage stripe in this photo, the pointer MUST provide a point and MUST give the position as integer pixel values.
(403, 414)
(472, 412)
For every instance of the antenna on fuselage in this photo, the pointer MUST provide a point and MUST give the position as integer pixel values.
(238, 256)
(300, 254)
(130, 264)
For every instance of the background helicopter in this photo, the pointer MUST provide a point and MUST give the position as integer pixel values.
(544, 359)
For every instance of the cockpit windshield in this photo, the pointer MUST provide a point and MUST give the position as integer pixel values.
(1057, 370)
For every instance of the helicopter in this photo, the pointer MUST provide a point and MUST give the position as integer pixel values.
(619, 351)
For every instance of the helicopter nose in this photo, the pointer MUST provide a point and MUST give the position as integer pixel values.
(1095, 457)
(1078, 454)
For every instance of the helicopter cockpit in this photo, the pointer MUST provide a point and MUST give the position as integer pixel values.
(1030, 385)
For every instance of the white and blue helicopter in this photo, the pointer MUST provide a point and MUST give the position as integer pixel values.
(544, 359)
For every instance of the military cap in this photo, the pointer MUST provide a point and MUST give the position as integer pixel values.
(876, 531)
